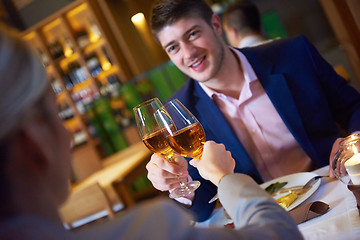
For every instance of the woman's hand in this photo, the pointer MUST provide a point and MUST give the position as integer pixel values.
(215, 162)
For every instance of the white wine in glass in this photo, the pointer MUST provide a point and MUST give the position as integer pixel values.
(154, 139)
(182, 130)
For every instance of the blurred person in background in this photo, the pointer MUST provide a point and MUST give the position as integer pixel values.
(35, 170)
(277, 107)
(242, 24)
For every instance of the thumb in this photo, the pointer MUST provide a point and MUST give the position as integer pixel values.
(180, 161)
(194, 162)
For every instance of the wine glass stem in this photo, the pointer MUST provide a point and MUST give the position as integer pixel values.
(171, 159)
(182, 185)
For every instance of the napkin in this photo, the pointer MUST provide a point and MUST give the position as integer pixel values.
(300, 214)
(309, 211)
(355, 189)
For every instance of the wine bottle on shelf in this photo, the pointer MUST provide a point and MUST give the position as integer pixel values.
(83, 97)
(112, 86)
(56, 49)
(55, 84)
(72, 67)
(77, 73)
(117, 103)
(93, 63)
(67, 80)
(43, 58)
(94, 31)
(82, 73)
(78, 102)
(82, 37)
(68, 48)
(107, 55)
(65, 111)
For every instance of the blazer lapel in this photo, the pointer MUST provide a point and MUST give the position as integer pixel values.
(215, 122)
(214, 118)
(277, 89)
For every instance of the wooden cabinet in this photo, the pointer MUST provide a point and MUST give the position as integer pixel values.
(86, 71)
(136, 41)
(344, 18)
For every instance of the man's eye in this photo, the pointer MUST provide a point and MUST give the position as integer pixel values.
(171, 49)
(193, 35)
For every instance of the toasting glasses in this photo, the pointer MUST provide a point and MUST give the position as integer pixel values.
(154, 136)
(183, 132)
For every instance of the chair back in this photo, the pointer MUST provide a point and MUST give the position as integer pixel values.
(84, 203)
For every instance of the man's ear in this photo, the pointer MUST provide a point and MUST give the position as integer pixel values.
(216, 24)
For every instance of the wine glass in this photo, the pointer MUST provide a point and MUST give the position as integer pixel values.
(183, 132)
(154, 139)
(346, 161)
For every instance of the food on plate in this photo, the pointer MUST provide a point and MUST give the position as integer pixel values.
(274, 187)
(299, 190)
(286, 200)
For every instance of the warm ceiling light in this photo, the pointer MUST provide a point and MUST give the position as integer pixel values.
(106, 66)
(138, 18)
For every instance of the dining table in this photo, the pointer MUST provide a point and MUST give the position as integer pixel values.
(116, 169)
(341, 221)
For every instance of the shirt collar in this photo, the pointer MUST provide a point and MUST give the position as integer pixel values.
(248, 71)
(251, 41)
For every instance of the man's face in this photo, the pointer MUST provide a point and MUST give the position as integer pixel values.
(194, 47)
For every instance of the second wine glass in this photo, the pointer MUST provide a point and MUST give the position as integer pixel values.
(183, 132)
(154, 139)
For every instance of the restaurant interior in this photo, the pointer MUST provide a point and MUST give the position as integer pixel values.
(102, 61)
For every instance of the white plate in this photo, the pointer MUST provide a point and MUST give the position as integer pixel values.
(218, 218)
(296, 179)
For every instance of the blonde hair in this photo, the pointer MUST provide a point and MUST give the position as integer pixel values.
(23, 80)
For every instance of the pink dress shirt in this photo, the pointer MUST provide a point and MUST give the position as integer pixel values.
(257, 124)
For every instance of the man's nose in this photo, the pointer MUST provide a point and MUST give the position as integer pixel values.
(189, 51)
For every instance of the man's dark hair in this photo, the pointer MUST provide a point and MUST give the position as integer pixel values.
(244, 16)
(167, 12)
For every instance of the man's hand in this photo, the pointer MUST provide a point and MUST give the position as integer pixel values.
(215, 162)
(341, 168)
(164, 174)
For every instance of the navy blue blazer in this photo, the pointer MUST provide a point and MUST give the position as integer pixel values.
(312, 100)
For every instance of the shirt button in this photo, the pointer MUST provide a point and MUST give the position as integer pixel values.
(253, 130)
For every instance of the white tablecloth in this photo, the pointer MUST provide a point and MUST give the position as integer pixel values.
(342, 221)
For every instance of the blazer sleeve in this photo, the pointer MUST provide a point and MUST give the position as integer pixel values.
(256, 214)
(344, 100)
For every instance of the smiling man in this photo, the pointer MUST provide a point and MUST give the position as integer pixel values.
(276, 107)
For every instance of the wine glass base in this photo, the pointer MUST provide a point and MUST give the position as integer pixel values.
(189, 188)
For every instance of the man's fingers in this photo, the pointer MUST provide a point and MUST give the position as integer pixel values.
(331, 173)
(163, 174)
(173, 167)
(334, 150)
(165, 184)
